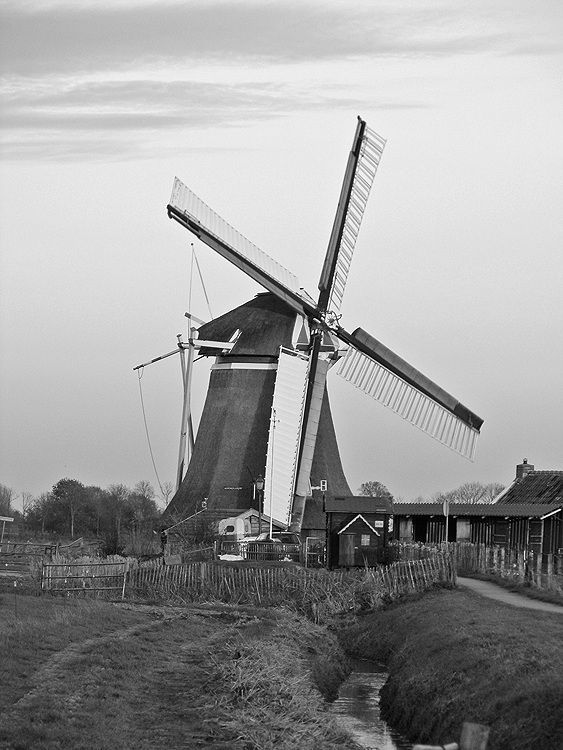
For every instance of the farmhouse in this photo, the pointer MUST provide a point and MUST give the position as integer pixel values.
(527, 514)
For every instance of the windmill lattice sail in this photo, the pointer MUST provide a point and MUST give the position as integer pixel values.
(285, 433)
(409, 402)
(190, 211)
(366, 168)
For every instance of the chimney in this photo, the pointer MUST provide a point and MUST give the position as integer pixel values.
(523, 469)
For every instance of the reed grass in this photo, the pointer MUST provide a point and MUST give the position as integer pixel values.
(89, 674)
(454, 656)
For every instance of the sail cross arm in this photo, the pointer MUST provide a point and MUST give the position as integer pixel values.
(382, 374)
(196, 216)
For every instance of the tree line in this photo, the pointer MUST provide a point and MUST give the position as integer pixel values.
(118, 515)
(469, 493)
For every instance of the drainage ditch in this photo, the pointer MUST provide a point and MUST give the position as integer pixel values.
(357, 708)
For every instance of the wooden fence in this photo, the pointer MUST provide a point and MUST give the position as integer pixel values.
(20, 557)
(518, 565)
(92, 578)
(318, 592)
(274, 585)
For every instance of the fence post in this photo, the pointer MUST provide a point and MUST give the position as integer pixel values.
(125, 570)
(549, 570)
(538, 570)
(521, 563)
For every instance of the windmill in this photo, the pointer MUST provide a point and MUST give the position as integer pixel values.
(267, 410)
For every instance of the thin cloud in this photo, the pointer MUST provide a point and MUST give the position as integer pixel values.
(73, 38)
(98, 119)
(64, 64)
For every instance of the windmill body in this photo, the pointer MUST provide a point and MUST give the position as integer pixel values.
(267, 411)
(232, 440)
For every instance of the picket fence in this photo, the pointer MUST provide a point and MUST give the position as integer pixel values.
(253, 584)
(521, 566)
(269, 585)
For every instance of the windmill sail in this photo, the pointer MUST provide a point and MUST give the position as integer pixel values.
(196, 216)
(361, 168)
(379, 372)
(285, 434)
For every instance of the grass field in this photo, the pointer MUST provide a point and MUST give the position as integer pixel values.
(93, 675)
(454, 656)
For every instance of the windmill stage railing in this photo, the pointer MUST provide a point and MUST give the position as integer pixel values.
(258, 550)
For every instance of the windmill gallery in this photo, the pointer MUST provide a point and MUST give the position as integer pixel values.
(267, 412)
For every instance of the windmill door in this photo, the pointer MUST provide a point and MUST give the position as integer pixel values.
(346, 550)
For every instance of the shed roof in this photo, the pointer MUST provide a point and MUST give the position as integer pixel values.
(537, 487)
(359, 517)
(498, 510)
(358, 504)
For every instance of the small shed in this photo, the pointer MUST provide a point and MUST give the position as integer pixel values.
(358, 531)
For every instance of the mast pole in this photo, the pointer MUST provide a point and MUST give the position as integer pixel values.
(187, 368)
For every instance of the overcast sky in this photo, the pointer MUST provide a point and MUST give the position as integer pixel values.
(253, 104)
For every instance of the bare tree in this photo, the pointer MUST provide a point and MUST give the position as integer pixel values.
(374, 489)
(118, 495)
(7, 497)
(27, 502)
(165, 491)
(470, 493)
(144, 488)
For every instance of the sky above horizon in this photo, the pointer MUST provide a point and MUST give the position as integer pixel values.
(253, 104)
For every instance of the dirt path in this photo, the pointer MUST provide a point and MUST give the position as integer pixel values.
(182, 678)
(500, 594)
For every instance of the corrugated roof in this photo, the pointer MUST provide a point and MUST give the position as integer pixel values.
(499, 510)
(537, 487)
(358, 504)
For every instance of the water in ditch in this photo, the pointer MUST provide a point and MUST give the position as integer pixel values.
(357, 708)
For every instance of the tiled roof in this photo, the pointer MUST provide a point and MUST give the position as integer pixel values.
(541, 487)
(476, 509)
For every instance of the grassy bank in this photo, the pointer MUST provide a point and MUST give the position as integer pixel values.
(454, 656)
(83, 675)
